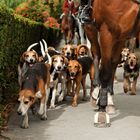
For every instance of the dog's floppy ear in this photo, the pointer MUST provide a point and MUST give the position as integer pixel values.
(80, 68)
(87, 49)
(31, 98)
(137, 59)
(66, 61)
(36, 55)
(22, 57)
(75, 50)
(62, 50)
(52, 58)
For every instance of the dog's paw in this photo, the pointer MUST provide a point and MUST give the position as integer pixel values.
(125, 89)
(52, 107)
(132, 93)
(25, 126)
(74, 104)
(44, 117)
(60, 98)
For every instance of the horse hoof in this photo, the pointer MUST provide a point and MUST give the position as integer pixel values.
(101, 119)
(110, 109)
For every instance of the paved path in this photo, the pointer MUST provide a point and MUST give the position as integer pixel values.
(68, 123)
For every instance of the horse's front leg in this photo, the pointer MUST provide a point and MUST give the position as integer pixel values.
(111, 49)
(92, 35)
(104, 77)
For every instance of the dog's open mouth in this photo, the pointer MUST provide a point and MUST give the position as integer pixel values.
(30, 64)
(72, 76)
(57, 71)
(131, 66)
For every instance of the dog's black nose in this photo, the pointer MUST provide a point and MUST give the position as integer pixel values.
(19, 113)
(68, 53)
(31, 60)
(72, 73)
(59, 67)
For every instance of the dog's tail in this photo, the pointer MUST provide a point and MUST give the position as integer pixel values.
(45, 52)
(31, 46)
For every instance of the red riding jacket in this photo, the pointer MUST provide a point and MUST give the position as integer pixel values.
(67, 4)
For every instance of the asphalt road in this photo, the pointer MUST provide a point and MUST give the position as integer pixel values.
(68, 123)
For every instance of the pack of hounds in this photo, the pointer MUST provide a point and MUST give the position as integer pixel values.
(39, 76)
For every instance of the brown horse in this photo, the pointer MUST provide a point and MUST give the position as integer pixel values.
(115, 21)
(68, 25)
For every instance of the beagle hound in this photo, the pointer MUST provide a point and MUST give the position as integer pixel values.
(69, 51)
(82, 50)
(58, 74)
(77, 72)
(58, 64)
(28, 59)
(34, 85)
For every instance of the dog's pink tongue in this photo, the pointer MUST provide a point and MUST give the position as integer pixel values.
(72, 77)
(30, 65)
(131, 67)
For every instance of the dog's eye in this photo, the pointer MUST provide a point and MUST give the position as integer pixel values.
(26, 102)
(129, 57)
(27, 55)
(55, 60)
(62, 61)
(33, 55)
(76, 66)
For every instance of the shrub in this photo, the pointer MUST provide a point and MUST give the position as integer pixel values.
(51, 22)
(38, 12)
(16, 34)
(12, 3)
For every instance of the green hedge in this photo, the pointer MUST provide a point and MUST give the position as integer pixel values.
(16, 34)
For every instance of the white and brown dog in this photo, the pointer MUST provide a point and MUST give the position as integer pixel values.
(77, 72)
(28, 59)
(131, 73)
(69, 51)
(34, 85)
(82, 50)
(57, 73)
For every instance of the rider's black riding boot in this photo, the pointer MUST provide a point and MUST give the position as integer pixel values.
(85, 11)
